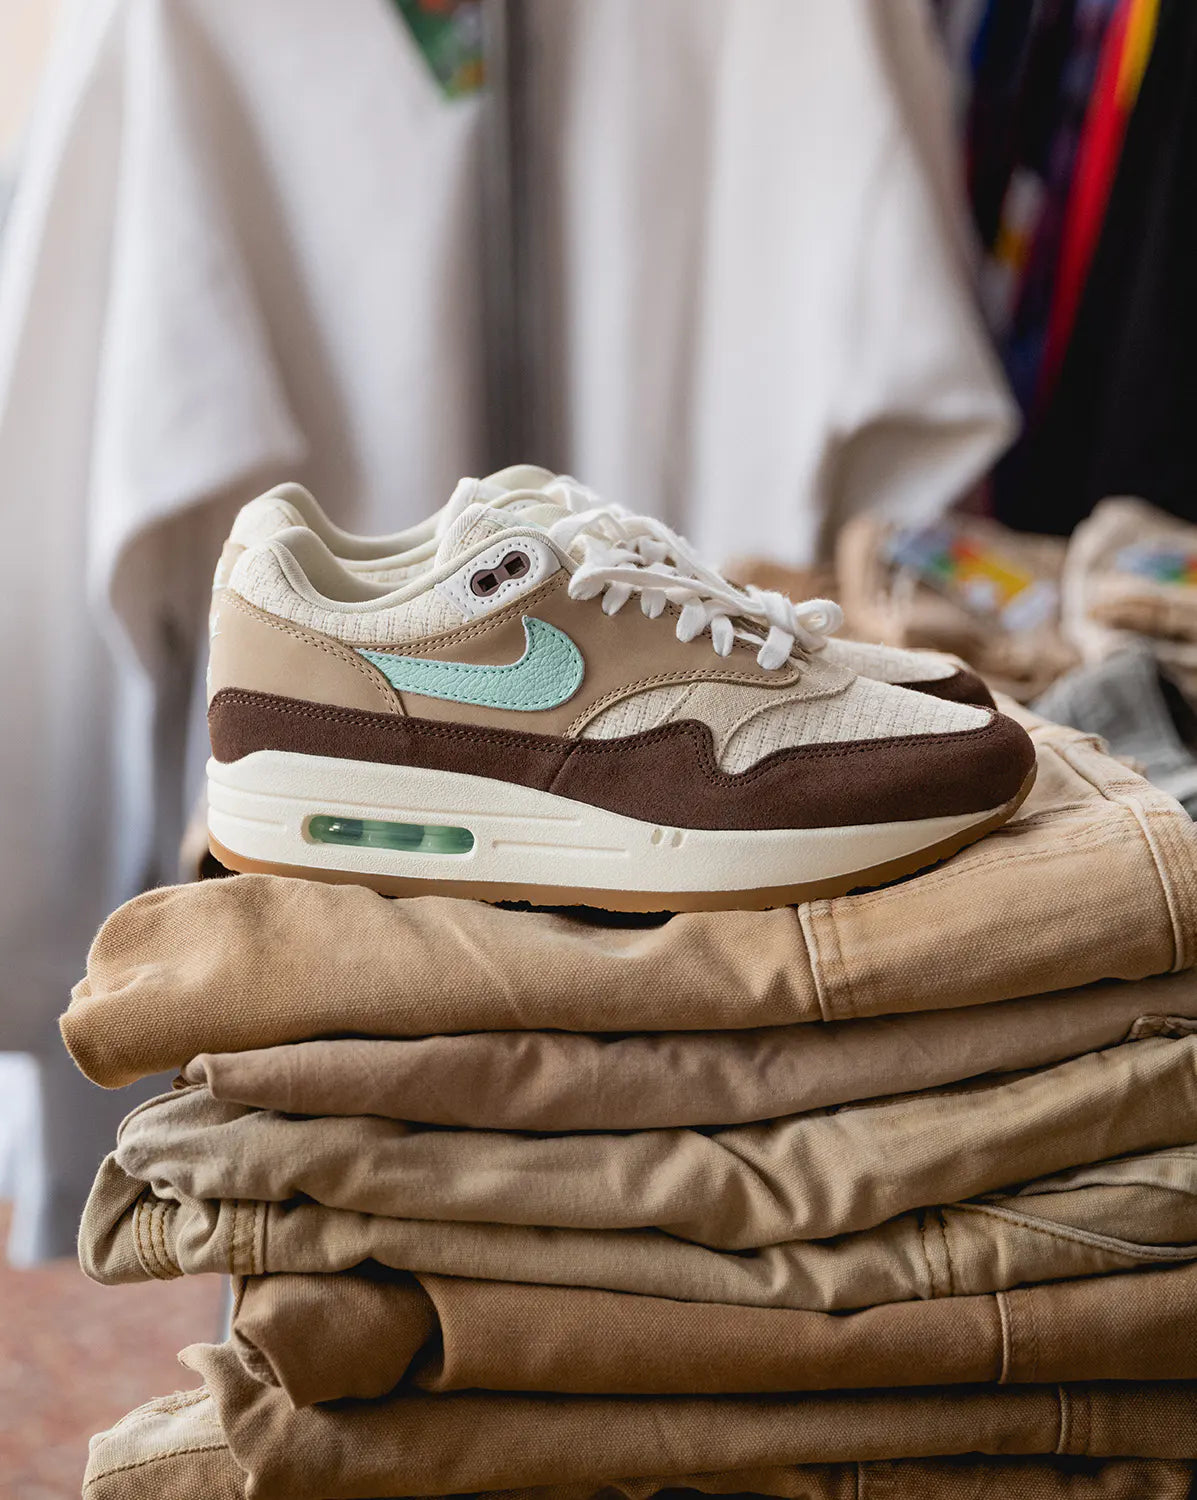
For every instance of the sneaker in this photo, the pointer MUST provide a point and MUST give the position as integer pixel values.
(526, 488)
(553, 711)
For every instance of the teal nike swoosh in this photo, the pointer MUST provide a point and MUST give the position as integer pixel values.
(548, 674)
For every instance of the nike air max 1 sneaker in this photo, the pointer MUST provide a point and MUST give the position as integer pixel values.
(553, 710)
(398, 557)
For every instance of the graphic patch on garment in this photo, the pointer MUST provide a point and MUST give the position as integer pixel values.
(449, 34)
(547, 675)
(1161, 563)
(974, 575)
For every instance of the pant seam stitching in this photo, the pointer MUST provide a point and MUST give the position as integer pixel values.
(165, 1453)
(232, 1259)
(1005, 1321)
(947, 1255)
(929, 1268)
(1034, 1322)
(1069, 1235)
(1142, 816)
(811, 941)
(1064, 1414)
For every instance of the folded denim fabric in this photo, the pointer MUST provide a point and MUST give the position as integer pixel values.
(173, 1448)
(1117, 592)
(885, 602)
(449, 1444)
(1116, 1216)
(1096, 878)
(804, 1177)
(1125, 701)
(563, 1081)
(322, 1338)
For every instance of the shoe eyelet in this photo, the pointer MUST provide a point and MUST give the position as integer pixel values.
(488, 581)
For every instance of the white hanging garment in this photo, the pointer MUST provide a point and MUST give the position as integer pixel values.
(245, 246)
(752, 244)
(241, 249)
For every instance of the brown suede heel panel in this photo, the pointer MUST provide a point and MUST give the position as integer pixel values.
(962, 686)
(666, 775)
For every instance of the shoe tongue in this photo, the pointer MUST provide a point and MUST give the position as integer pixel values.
(519, 477)
(513, 491)
(473, 525)
(539, 510)
(484, 518)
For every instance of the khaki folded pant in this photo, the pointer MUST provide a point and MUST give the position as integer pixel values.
(1096, 878)
(449, 1444)
(321, 1338)
(806, 1177)
(563, 1081)
(1115, 1216)
(174, 1449)
(1106, 605)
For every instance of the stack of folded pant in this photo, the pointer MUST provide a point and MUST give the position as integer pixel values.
(1130, 578)
(1130, 604)
(888, 1195)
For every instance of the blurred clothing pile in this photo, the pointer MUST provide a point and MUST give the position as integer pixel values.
(730, 280)
(1098, 632)
(1080, 123)
(783, 1202)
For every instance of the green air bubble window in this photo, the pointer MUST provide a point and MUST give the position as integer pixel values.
(372, 833)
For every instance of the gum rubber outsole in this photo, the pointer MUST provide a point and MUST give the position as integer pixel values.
(762, 898)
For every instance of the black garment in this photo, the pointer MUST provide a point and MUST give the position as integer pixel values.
(1020, 55)
(1123, 417)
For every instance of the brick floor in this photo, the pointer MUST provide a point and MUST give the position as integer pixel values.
(75, 1356)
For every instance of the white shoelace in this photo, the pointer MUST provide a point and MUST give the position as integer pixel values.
(625, 554)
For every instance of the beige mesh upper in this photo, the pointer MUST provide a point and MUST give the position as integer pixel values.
(745, 728)
(889, 663)
(826, 705)
(866, 710)
(256, 522)
(263, 518)
(396, 576)
(271, 513)
(260, 578)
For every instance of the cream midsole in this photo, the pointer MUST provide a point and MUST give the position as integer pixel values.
(260, 808)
